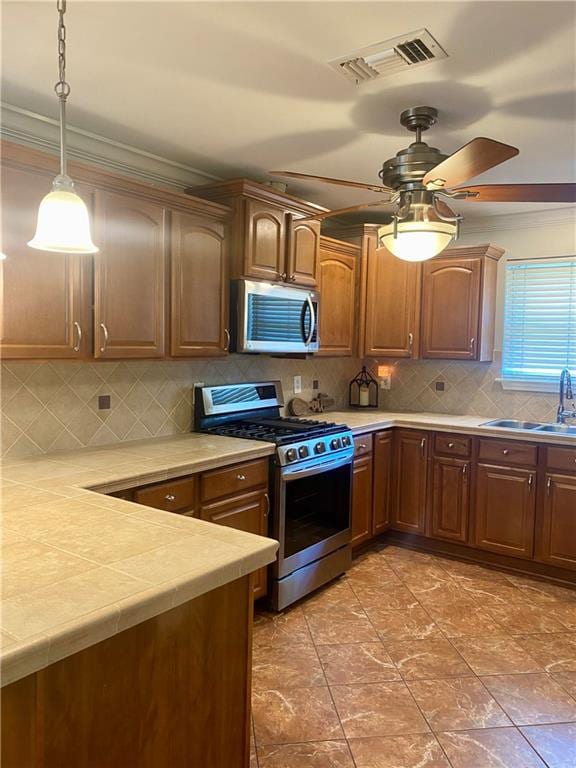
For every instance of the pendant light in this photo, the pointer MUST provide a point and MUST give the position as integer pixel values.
(63, 224)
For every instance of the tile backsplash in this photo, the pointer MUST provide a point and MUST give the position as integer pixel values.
(50, 406)
(469, 388)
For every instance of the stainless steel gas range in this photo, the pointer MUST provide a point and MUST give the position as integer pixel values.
(310, 481)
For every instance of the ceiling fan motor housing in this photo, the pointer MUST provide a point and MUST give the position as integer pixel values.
(407, 169)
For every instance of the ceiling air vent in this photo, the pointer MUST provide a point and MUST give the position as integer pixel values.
(396, 55)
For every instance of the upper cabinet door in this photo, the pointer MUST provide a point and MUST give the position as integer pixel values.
(265, 248)
(199, 298)
(45, 306)
(337, 286)
(129, 278)
(451, 308)
(303, 252)
(392, 305)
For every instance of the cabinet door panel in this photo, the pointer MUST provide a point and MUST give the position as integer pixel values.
(245, 512)
(129, 278)
(450, 499)
(450, 308)
(303, 252)
(337, 287)
(382, 475)
(392, 305)
(557, 544)
(45, 301)
(199, 278)
(505, 510)
(265, 252)
(361, 499)
(411, 469)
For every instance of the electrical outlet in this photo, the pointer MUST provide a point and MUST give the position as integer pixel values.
(386, 382)
(104, 403)
(297, 385)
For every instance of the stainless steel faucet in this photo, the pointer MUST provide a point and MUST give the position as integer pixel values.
(566, 392)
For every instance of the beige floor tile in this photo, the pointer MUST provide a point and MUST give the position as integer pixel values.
(409, 623)
(441, 593)
(565, 613)
(377, 709)
(495, 655)
(457, 704)
(295, 715)
(288, 628)
(525, 619)
(542, 591)
(283, 667)
(489, 748)
(375, 598)
(357, 663)
(556, 744)
(455, 622)
(315, 754)
(487, 593)
(413, 751)
(567, 680)
(532, 699)
(555, 652)
(326, 630)
(427, 659)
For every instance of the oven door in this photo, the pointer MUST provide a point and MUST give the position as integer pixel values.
(276, 318)
(311, 512)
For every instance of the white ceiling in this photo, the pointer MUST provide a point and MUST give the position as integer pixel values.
(239, 88)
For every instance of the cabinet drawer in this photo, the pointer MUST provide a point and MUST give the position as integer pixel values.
(362, 445)
(508, 452)
(172, 496)
(240, 477)
(452, 445)
(561, 458)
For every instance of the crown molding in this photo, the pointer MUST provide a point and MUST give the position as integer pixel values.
(40, 132)
(532, 219)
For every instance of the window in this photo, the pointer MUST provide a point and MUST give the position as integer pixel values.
(539, 322)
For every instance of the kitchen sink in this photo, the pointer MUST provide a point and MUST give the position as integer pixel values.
(514, 424)
(562, 429)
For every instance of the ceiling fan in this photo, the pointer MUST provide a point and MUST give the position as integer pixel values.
(420, 179)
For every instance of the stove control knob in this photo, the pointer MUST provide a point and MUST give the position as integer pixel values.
(320, 448)
(291, 454)
(303, 451)
(335, 443)
(346, 441)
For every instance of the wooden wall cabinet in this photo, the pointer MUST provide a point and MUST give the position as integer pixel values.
(337, 284)
(46, 300)
(458, 304)
(129, 277)
(410, 481)
(269, 242)
(199, 287)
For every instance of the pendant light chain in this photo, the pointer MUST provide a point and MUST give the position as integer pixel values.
(62, 88)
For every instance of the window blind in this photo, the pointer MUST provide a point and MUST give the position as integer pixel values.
(539, 320)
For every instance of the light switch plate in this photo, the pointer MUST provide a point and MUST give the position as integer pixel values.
(386, 382)
(297, 387)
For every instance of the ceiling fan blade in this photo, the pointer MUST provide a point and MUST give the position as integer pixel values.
(472, 159)
(520, 193)
(328, 180)
(338, 211)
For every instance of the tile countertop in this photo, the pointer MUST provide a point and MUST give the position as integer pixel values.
(79, 567)
(361, 421)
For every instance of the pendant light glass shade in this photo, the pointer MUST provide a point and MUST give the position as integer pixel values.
(418, 237)
(63, 224)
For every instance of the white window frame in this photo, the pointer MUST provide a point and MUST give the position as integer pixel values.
(529, 384)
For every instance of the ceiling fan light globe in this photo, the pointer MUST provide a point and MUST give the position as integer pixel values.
(63, 224)
(417, 241)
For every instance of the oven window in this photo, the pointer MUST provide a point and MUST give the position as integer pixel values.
(317, 508)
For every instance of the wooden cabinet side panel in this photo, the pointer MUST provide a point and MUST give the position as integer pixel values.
(199, 281)
(488, 310)
(383, 458)
(171, 691)
(129, 278)
(392, 306)
(337, 286)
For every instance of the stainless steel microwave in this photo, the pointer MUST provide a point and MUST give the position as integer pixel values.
(272, 317)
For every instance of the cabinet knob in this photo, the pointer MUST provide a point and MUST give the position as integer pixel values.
(505, 451)
(362, 446)
(240, 477)
(450, 445)
(169, 497)
(282, 276)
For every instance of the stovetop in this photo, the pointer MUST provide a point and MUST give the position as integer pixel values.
(277, 430)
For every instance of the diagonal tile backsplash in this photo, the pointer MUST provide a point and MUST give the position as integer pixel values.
(49, 406)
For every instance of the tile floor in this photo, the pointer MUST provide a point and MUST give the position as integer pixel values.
(414, 661)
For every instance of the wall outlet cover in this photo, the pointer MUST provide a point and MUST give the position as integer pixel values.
(104, 402)
(386, 382)
(297, 387)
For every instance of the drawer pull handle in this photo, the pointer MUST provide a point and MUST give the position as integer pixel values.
(361, 446)
(78, 344)
(105, 342)
(422, 445)
(410, 343)
(227, 344)
(505, 451)
(267, 498)
(464, 469)
(169, 497)
(530, 481)
(240, 477)
(450, 445)
(548, 486)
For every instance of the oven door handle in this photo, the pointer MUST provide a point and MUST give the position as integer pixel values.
(295, 473)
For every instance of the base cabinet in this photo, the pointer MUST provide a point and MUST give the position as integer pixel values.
(383, 456)
(361, 499)
(410, 482)
(557, 541)
(450, 499)
(505, 510)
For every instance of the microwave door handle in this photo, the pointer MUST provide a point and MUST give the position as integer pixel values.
(308, 340)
